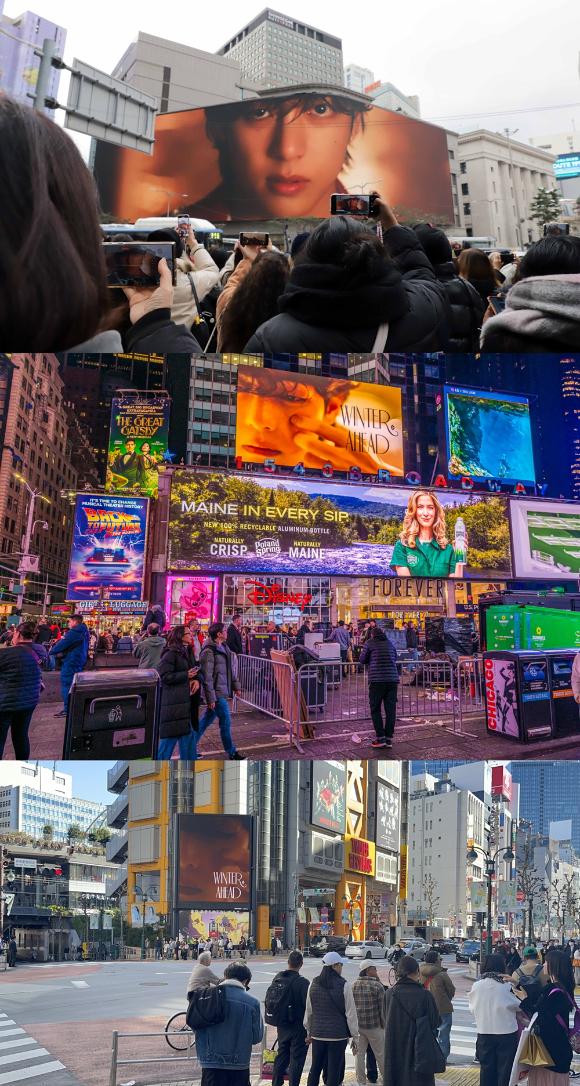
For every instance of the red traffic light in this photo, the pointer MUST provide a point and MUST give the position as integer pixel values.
(58, 870)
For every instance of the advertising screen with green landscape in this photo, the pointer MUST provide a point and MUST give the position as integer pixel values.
(545, 539)
(290, 524)
(488, 435)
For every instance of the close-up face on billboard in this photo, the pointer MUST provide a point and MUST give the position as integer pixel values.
(108, 551)
(318, 420)
(215, 860)
(253, 524)
(279, 157)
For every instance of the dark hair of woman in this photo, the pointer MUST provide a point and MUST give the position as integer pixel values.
(560, 970)
(327, 977)
(255, 301)
(475, 264)
(175, 637)
(492, 963)
(552, 255)
(346, 243)
(53, 286)
(167, 233)
(219, 255)
(407, 966)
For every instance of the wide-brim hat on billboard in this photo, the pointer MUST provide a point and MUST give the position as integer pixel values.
(332, 958)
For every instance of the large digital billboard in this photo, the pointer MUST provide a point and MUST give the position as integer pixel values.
(278, 157)
(328, 796)
(488, 435)
(206, 924)
(250, 523)
(545, 539)
(108, 549)
(567, 165)
(214, 861)
(387, 817)
(313, 421)
(137, 442)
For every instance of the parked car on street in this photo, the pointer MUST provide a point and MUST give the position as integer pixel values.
(468, 950)
(445, 946)
(370, 948)
(417, 948)
(320, 945)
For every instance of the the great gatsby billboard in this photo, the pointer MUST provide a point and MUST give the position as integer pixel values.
(108, 550)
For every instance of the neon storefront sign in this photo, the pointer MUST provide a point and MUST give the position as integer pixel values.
(275, 594)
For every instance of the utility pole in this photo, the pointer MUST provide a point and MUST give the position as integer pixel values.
(515, 187)
(25, 556)
(44, 70)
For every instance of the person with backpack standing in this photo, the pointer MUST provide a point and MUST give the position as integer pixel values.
(224, 1050)
(20, 687)
(369, 1000)
(553, 1006)
(285, 1007)
(437, 981)
(331, 1021)
(530, 974)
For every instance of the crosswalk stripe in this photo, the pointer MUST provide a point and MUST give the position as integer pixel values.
(8, 1022)
(79, 983)
(31, 1072)
(9, 1032)
(19, 1057)
(17, 1043)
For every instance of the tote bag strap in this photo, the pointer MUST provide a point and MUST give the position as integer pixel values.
(381, 339)
(194, 291)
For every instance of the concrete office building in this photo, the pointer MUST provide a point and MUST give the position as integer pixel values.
(18, 63)
(388, 96)
(561, 143)
(357, 78)
(179, 76)
(499, 178)
(32, 796)
(275, 49)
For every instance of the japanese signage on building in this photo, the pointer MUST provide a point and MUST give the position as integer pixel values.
(387, 817)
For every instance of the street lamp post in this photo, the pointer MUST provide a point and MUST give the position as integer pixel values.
(169, 195)
(513, 178)
(145, 895)
(30, 524)
(490, 862)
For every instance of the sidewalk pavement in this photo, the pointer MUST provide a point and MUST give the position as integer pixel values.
(262, 737)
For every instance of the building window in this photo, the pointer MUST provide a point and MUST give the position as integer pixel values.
(165, 90)
(451, 153)
(465, 190)
(467, 209)
(463, 167)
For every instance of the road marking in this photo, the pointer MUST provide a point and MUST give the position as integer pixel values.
(31, 1072)
(20, 1041)
(17, 1057)
(8, 1022)
(79, 983)
(10, 1032)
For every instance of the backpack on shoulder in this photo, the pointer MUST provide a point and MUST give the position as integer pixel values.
(207, 1007)
(278, 1007)
(531, 982)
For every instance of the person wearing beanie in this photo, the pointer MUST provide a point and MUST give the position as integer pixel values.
(297, 244)
(465, 317)
(196, 270)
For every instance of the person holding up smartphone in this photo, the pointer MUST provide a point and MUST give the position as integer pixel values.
(196, 273)
(330, 1021)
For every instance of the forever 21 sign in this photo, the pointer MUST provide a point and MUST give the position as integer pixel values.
(408, 587)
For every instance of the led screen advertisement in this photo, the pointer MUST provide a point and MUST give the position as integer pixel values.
(278, 157)
(214, 866)
(249, 523)
(209, 924)
(317, 421)
(137, 442)
(488, 435)
(545, 539)
(387, 817)
(328, 796)
(567, 165)
(108, 549)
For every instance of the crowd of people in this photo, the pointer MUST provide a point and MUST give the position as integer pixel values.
(349, 285)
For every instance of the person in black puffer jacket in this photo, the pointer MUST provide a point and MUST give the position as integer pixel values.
(380, 655)
(467, 307)
(350, 292)
(180, 696)
(476, 268)
(20, 685)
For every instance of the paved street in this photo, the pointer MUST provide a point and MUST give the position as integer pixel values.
(260, 736)
(64, 1016)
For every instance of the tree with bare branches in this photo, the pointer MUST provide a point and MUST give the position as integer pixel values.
(564, 900)
(429, 886)
(528, 881)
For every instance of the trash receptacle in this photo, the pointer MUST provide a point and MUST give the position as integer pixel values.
(112, 712)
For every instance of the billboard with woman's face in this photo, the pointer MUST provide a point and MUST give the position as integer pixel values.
(215, 860)
(278, 157)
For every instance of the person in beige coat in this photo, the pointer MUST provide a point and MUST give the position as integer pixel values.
(437, 980)
(199, 265)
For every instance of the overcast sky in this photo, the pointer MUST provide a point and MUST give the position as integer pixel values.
(461, 57)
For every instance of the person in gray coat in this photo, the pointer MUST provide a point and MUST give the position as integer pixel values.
(148, 650)
(216, 662)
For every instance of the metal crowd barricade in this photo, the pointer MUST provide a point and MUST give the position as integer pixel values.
(270, 687)
(470, 689)
(333, 693)
(257, 1057)
(427, 689)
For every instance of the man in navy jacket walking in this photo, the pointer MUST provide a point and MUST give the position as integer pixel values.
(380, 655)
(74, 649)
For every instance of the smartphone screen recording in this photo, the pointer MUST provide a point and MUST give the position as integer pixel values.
(136, 263)
(347, 204)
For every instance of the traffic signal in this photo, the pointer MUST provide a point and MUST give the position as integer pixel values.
(283, 916)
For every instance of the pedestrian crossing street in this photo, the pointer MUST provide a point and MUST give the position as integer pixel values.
(463, 1031)
(21, 1057)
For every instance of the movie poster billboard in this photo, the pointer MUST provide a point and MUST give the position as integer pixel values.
(545, 539)
(387, 817)
(108, 549)
(137, 442)
(501, 696)
(233, 170)
(295, 419)
(328, 796)
(214, 865)
(211, 924)
(254, 524)
(488, 435)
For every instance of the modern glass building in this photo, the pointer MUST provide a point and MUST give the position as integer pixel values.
(32, 796)
(549, 792)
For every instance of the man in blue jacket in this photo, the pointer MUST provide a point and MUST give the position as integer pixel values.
(224, 1050)
(380, 656)
(74, 649)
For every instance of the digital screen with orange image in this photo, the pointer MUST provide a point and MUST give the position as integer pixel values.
(279, 157)
(215, 860)
(297, 419)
